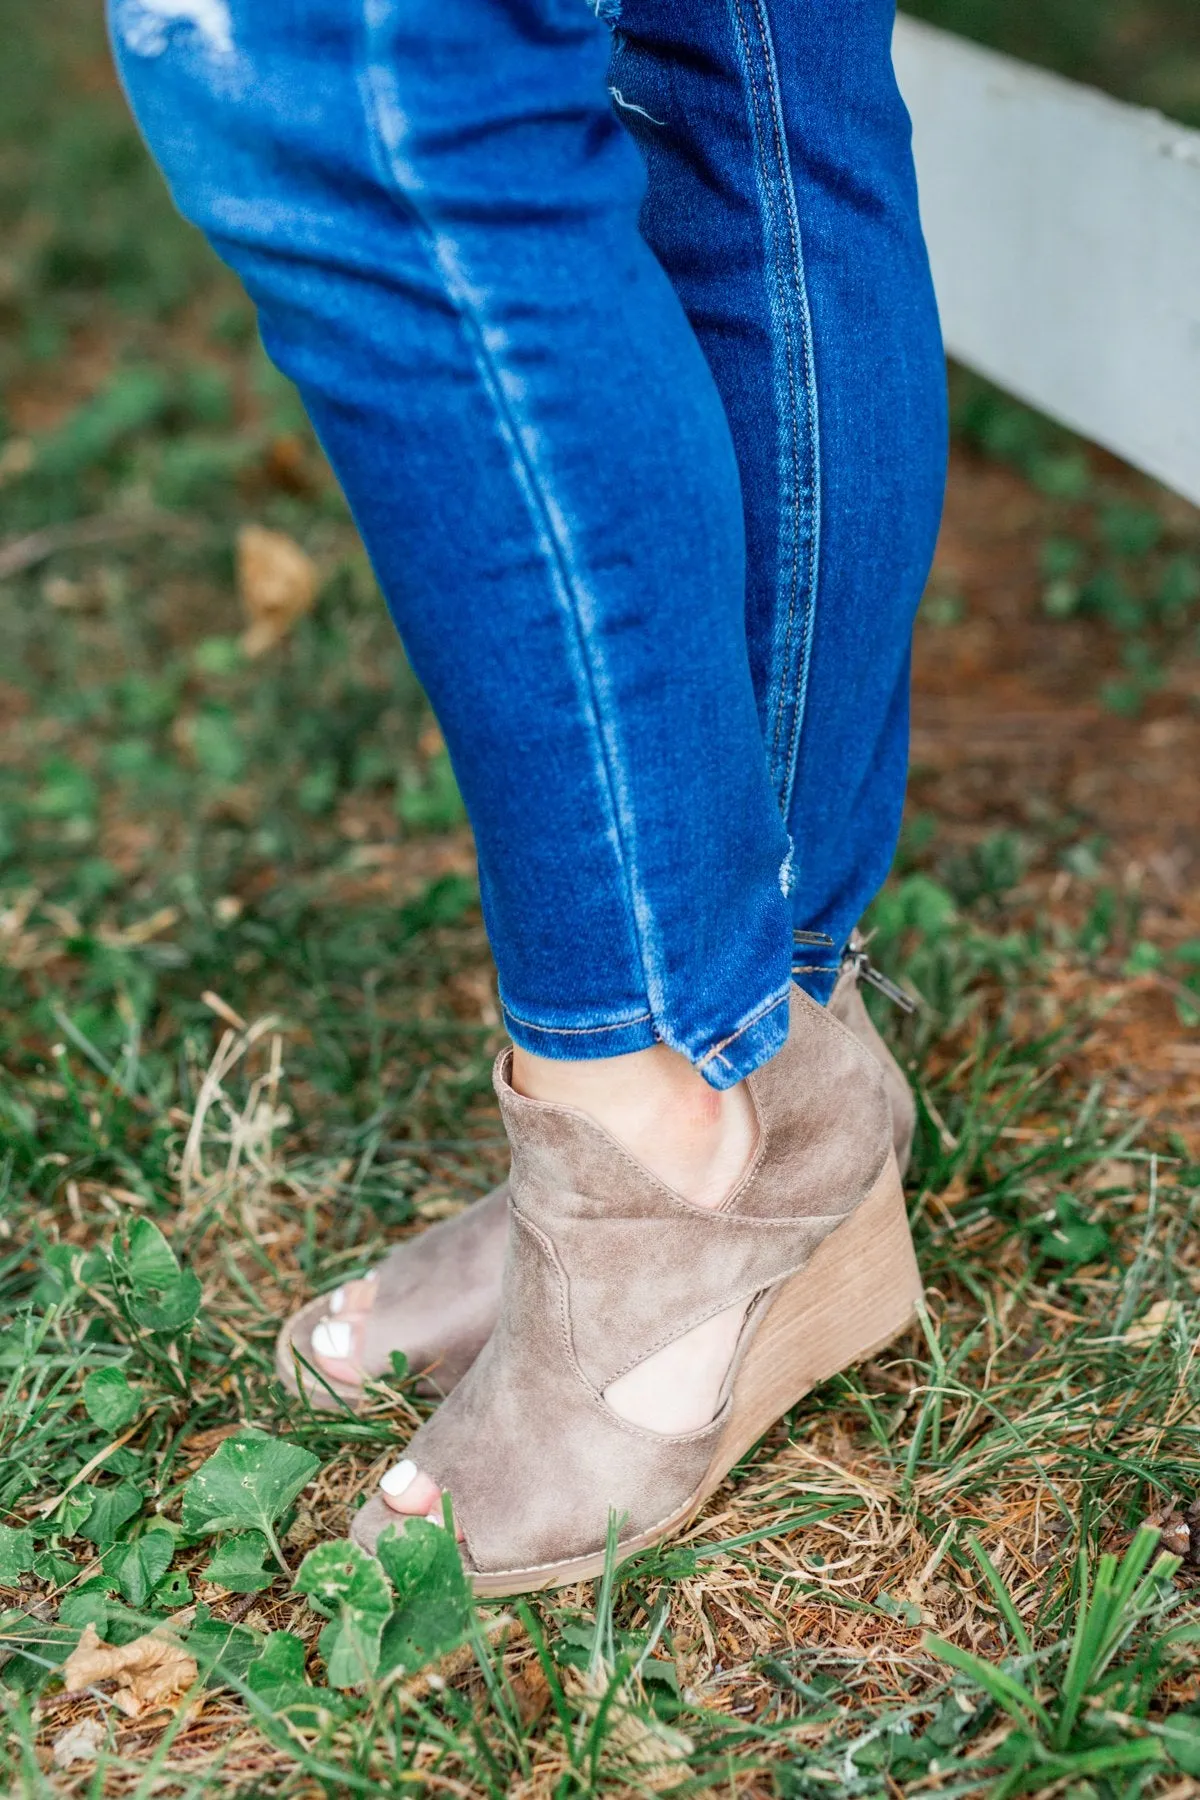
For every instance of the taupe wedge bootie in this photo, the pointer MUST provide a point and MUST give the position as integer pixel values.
(438, 1295)
(605, 1265)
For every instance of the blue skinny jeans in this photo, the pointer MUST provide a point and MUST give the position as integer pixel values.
(620, 337)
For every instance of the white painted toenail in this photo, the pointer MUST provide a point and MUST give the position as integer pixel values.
(337, 1300)
(435, 1517)
(332, 1337)
(399, 1478)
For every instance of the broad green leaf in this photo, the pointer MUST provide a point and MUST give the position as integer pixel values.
(49, 1566)
(145, 1259)
(282, 1659)
(278, 1678)
(110, 1401)
(46, 1645)
(174, 1590)
(138, 1567)
(238, 1564)
(72, 1511)
(111, 1508)
(173, 1308)
(162, 1296)
(246, 1485)
(1075, 1238)
(1181, 1735)
(63, 1269)
(66, 791)
(16, 1554)
(223, 1651)
(350, 1587)
(280, 1665)
(431, 801)
(894, 1751)
(85, 1608)
(433, 1599)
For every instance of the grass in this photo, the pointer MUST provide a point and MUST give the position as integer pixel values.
(1147, 53)
(247, 1024)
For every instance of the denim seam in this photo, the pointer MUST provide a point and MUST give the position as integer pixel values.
(792, 299)
(714, 1055)
(575, 1030)
(545, 515)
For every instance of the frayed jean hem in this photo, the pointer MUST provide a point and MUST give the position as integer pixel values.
(723, 1063)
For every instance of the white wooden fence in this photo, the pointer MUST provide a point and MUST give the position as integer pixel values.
(1064, 229)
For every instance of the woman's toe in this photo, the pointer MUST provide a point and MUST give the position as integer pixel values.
(409, 1490)
(354, 1299)
(334, 1350)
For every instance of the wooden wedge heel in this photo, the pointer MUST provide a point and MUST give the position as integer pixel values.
(606, 1265)
(437, 1296)
(859, 1293)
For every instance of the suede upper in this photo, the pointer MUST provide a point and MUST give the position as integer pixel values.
(446, 1324)
(604, 1265)
(595, 1202)
(847, 1004)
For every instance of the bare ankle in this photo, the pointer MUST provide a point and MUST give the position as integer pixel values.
(697, 1140)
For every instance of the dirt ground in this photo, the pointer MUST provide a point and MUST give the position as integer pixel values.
(1009, 732)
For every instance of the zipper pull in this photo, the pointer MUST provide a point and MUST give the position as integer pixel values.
(866, 971)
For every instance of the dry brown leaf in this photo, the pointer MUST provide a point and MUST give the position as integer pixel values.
(1174, 1533)
(223, 1010)
(1153, 1321)
(442, 1206)
(1120, 1177)
(277, 581)
(531, 1691)
(288, 465)
(151, 1671)
(16, 458)
(79, 1743)
(131, 937)
(202, 1443)
(65, 595)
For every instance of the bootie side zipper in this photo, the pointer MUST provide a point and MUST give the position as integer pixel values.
(866, 971)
